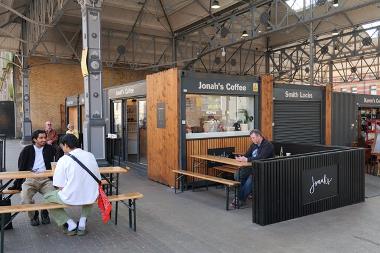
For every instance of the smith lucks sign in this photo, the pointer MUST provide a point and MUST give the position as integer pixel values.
(319, 183)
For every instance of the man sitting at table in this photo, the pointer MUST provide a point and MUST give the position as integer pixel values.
(36, 158)
(75, 185)
(259, 149)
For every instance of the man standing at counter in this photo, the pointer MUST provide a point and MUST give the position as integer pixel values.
(259, 149)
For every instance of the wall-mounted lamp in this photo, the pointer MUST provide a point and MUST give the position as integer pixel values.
(215, 4)
(223, 52)
(335, 3)
(244, 34)
(334, 32)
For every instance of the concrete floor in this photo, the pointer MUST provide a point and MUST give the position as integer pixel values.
(197, 222)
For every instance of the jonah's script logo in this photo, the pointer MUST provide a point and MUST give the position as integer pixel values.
(314, 184)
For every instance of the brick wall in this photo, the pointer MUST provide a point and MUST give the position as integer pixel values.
(51, 83)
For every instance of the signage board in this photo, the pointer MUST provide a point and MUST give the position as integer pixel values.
(209, 83)
(298, 93)
(72, 101)
(128, 90)
(368, 100)
(319, 183)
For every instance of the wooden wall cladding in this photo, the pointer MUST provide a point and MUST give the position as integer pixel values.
(266, 106)
(163, 143)
(328, 114)
(200, 147)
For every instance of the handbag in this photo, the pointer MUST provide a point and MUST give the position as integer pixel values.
(103, 202)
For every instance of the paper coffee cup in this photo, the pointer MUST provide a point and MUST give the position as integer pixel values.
(288, 154)
(53, 164)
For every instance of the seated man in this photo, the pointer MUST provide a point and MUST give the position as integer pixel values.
(75, 185)
(36, 158)
(259, 149)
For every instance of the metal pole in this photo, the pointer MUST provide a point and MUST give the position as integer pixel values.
(311, 57)
(94, 124)
(26, 122)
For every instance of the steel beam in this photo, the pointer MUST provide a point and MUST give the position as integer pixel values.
(94, 123)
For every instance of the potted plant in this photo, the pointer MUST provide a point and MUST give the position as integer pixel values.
(246, 119)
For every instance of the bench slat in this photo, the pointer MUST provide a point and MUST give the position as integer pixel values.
(225, 169)
(207, 177)
(7, 191)
(47, 206)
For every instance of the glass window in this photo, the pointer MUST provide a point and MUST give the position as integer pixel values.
(354, 90)
(213, 113)
(117, 127)
(373, 90)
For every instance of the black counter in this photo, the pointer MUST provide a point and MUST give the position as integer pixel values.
(313, 179)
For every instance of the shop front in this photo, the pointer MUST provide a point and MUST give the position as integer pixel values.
(217, 113)
(194, 113)
(128, 121)
(298, 115)
(354, 119)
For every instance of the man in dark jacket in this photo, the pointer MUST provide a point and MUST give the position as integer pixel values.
(259, 149)
(36, 158)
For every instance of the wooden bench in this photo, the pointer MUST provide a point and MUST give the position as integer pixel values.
(226, 182)
(225, 168)
(131, 197)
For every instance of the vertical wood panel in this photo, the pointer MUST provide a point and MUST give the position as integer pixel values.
(200, 147)
(328, 114)
(163, 143)
(266, 106)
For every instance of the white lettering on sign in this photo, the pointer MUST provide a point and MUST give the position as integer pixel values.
(219, 86)
(314, 184)
(210, 86)
(298, 94)
(371, 100)
(125, 91)
(236, 87)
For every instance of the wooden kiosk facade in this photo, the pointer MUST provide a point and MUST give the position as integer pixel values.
(169, 142)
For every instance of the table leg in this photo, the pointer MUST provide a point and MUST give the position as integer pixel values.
(134, 214)
(117, 193)
(227, 197)
(2, 232)
(130, 212)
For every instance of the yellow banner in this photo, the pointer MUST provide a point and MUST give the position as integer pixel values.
(83, 63)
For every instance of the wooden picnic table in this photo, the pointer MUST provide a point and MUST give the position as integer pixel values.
(12, 175)
(49, 173)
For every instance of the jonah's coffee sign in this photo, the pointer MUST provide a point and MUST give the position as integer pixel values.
(208, 83)
(319, 183)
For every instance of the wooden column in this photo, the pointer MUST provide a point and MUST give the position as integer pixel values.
(328, 95)
(266, 106)
(163, 143)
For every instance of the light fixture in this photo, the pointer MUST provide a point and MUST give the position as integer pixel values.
(215, 4)
(223, 52)
(335, 3)
(334, 32)
(244, 34)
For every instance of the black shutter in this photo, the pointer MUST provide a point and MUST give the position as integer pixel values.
(297, 121)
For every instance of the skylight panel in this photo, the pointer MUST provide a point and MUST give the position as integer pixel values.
(374, 33)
